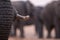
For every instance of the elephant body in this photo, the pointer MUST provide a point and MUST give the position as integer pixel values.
(22, 9)
(50, 18)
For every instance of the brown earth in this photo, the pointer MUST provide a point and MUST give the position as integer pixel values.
(29, 33)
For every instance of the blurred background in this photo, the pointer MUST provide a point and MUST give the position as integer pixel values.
(29, 30)
(38, 2)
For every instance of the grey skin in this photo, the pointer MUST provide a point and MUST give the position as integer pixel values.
(17, 17)
(38, 21)
(50, 16)
(6, 18)
(26, 10)
(21, 7)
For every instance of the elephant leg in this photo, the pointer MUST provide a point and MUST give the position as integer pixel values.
(49, 31)
(13, 31)
(37, 24)
(22, 32)
(49, 28)
(13, 28)
(20, 27)
(40, 30)
(49, 34)
(57, 28)
(36, 28)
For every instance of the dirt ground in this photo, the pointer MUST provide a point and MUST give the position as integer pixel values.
(29, 33)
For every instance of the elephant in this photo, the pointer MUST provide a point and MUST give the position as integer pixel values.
(22, 9)
(17, 4)
(6, 18)
(38, 21)
(50, 16)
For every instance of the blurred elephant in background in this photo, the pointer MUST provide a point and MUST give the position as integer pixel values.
(51, 18)
(23, 8)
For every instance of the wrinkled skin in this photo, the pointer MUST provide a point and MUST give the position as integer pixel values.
(6, 18)
(50, 19)
(21, 7)
(38, 21)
